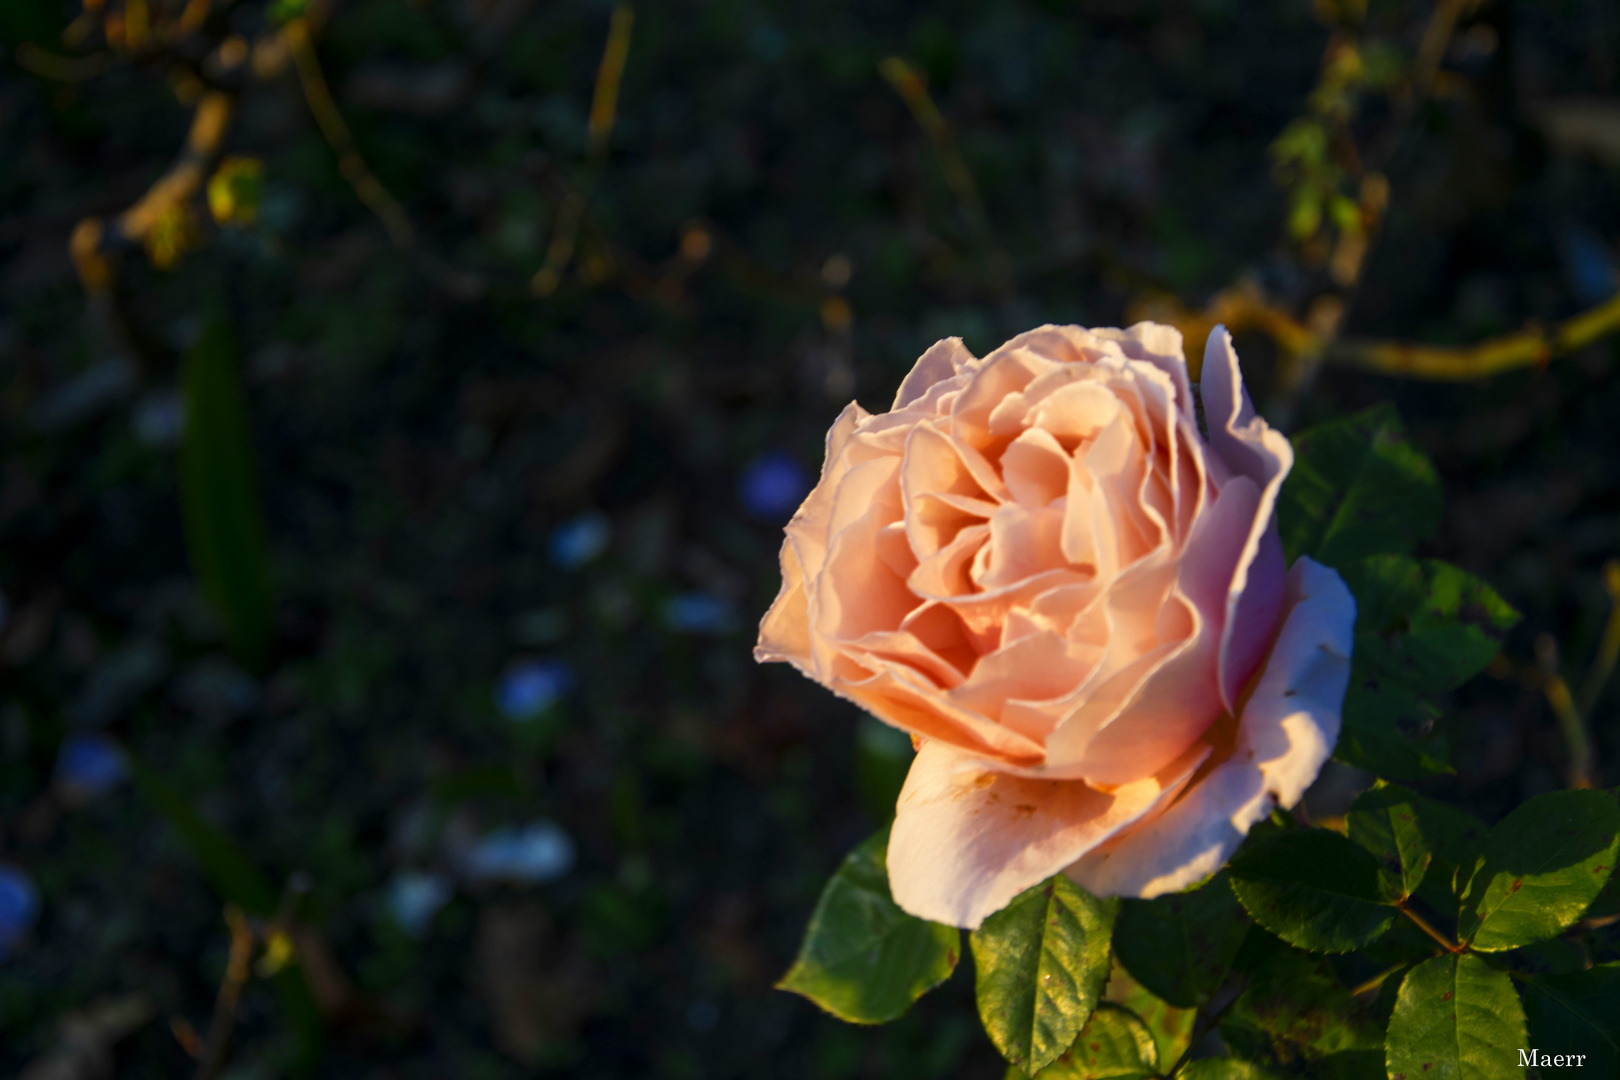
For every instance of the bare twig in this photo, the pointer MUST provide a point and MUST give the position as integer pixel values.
(913, 90)
(327, 117)
(1423, 924)
(1608, 650)
(1582, 757)
(604, 107)
(230, 993)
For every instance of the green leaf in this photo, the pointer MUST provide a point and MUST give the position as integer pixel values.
(1314, 889)
(1577, 1013)
(1357, 488)
(1224, 1069)
(219, 497)
(1540, 868)
(1456, 1018)
(1042, 961)
(1114, 1045)
(1172, 1028)
(1455, 838)
(1425, 624)
(1181, 945)
(230, 872)
(1295, 1011)
(1389, 730)
(1384, 820)
(863, 959)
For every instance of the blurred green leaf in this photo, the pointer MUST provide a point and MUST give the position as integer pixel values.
(219, 497)
(1114, 1045)
(1426, 624)
(1295, 1011)
(230, 872)
(1224, 1069)
(1172, 1028)
(1314, 889)
(863, 959)
(1384, 820)
(39, 22)
(1180, 946)
(1542, 866)
(1305, 215)
(1456, 1018)
(1577, 1013)
(882, 758)
(1357, 488)
(1042, 962)
(1388, 729)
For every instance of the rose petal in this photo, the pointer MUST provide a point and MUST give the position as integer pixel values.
(966, 841)
(944, 360)
(1254, 449)
(784, 633)
(901, 697)
(1286, 733)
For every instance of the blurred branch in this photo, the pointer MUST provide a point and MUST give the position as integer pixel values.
(336, 132)
(67, 69)
(1243, 307)
(913, 90)
(1582, 759)
(1532, 347)
(230, 994)
(604, 107)
(1608, 647)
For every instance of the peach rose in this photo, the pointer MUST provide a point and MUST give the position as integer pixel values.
(1077, 604)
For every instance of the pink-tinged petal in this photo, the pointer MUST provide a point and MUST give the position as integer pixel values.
(944, 360)
(1171, 710)
(1285, 735)
(1035, 468)
(966, 840)
(1161, 346)
(1039, 667)
(1077, 410)
(784, 632)
(1001, 373)
(1253, 449)
(1253, 621)
(1023, 543)
(901, 697)
(944, 573)
(808, 526)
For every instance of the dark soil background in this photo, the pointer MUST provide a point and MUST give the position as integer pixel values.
(771, 234)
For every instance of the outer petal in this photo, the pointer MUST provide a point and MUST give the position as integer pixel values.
(784, 632)
(966, 841)
(1254, 449)
(944, 359)
(1285, 735)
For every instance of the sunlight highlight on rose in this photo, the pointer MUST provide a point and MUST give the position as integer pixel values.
(1037, 564)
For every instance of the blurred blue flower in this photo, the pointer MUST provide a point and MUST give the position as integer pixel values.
(1588, 265)
(414, 898)
(697, 613)
(159, 419)
(577, 542)
(88, 766)
(19, 906)
(531, 687)
(773, 485)
(532, 855)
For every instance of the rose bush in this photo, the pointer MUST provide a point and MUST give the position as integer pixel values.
(1075, 600)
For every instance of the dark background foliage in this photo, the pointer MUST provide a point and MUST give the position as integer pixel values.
(769, 234)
